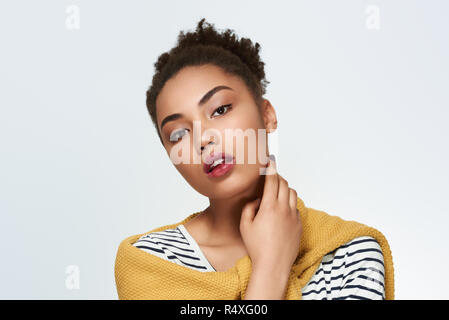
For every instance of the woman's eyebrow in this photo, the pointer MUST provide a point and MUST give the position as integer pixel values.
(202, 101)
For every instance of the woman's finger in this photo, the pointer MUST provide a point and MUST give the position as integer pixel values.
(248, 213)
(293, 201)
(271, 185)
(283, 192)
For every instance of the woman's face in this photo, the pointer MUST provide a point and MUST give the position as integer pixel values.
(200, 130)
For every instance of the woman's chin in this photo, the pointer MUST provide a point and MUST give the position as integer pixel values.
(231, 186)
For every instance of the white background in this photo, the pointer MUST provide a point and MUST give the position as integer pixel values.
(362, 130)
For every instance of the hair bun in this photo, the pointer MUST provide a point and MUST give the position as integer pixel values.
(206, 34)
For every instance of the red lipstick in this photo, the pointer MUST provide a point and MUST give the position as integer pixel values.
(216, 165)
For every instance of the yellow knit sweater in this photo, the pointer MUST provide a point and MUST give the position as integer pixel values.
(140, 275)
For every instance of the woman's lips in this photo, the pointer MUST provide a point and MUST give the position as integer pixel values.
(220, 169)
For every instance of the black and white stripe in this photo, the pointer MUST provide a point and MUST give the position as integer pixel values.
(175, 245)
(354, 271)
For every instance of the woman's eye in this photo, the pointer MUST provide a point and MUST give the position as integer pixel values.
(222, 109)
(176, 135)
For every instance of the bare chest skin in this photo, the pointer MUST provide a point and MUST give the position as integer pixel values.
(221, 256)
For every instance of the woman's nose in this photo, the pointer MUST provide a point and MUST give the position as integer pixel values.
(204, 145)
(207, 136)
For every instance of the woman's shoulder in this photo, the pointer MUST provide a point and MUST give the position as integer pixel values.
(354, 270)
(359, 264)
(360, 243)
(175, 245)
(163, 238)
(360, 248)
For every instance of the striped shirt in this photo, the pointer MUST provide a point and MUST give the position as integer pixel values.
(354, 271)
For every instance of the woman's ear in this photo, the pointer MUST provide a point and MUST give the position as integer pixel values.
(269, 116)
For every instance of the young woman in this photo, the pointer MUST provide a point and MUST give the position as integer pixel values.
(256, 238)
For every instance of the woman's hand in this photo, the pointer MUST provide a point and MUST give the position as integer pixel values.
(272, 235)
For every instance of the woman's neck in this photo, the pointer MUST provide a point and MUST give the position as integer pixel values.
(222, 217)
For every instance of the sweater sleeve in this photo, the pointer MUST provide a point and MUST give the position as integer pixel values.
(364, 270)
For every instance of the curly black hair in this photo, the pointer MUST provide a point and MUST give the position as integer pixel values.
(207, 46)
